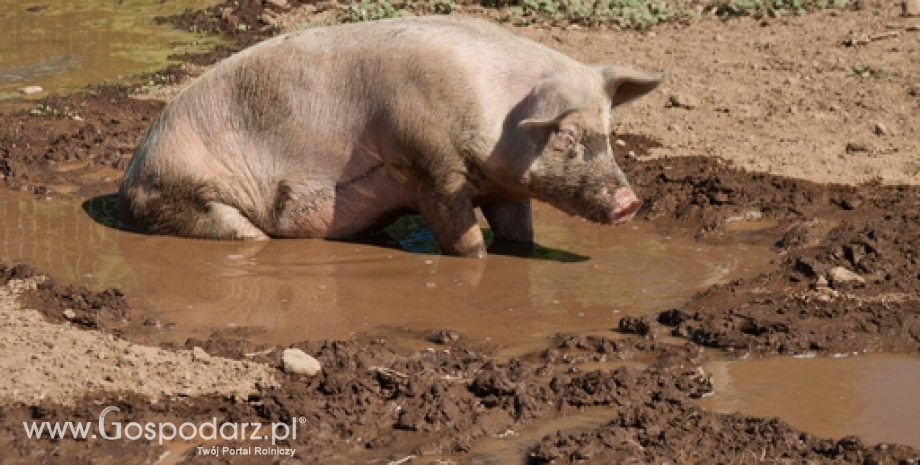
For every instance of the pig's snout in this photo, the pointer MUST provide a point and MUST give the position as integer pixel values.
(625, 206)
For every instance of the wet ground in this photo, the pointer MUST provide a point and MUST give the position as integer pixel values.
(63, 46)
(718, 327)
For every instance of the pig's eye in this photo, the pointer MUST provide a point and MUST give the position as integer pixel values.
(569, 135)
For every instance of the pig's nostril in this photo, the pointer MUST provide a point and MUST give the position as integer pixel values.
(625, 205)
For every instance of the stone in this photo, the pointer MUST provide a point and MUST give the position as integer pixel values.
(685, 101)
(299, 363)
(821, 282)
(28, 90)
(910, 8)
(70, 314)
(880, 129)
(199, 354)
(842, 277)
(444, 336)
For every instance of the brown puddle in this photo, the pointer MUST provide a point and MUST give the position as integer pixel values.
(314, 289)
(62, 45)
(872, 396)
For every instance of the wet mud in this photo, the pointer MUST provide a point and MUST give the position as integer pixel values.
(660, 383)
(386, 397)
(63, 46)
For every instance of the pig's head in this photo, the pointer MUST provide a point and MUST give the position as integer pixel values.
(563, 145)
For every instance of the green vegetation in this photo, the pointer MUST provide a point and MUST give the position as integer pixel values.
(775, 7)
(370, 11)
(47, 109)
(627, 14)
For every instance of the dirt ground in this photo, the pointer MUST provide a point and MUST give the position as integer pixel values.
(800, 132)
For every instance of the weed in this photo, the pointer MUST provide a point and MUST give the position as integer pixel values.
(45, 108)
(370, 11)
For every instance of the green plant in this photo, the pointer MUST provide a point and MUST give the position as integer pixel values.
(443, 6)
(370, 11)
(45, 108)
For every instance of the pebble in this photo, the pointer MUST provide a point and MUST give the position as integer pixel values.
(297, 362)
(910, 8)
(842, 276)
(199, 354)
(686, 101)
(822, 282)
(28, 90)
(880, 129)
(70, 314)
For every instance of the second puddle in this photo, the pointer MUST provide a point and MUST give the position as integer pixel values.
(871, 396)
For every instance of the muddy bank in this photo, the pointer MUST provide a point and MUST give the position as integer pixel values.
(381, 403)
(377, 401)
(847, 282)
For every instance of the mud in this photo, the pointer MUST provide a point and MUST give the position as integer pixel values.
(61, 47)
(844, 282)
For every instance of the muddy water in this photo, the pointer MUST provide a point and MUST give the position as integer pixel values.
(62, 45)
(874, 397)
(584, 279)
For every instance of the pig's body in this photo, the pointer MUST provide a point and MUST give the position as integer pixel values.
(334, 131)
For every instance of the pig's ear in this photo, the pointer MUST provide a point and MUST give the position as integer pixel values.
(549, 102)
(624, 85)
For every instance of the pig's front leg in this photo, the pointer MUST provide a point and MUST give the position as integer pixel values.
(453, 222)
(510, 221)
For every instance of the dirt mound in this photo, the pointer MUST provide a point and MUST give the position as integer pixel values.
(672, 430)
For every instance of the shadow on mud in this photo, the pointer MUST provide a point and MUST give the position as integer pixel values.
(409, 233)
(103, 210)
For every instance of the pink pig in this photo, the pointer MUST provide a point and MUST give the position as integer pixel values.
(335, 131)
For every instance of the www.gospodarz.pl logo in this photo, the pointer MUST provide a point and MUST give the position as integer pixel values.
(168, 431)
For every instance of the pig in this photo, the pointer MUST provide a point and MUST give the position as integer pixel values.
(336, 131)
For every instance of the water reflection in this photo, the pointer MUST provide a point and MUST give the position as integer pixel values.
(872, 396)
(63, 45)
(296, 289)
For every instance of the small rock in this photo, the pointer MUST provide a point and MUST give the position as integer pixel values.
(821, 282)
(199, 354)
(842, 277)
(853, 147)
(910, 8)
(297, 362)
(279, 3)
(685, 101)
(880, 129)
(620, 142)
(28, 90)
(443, 336)
(70, 314)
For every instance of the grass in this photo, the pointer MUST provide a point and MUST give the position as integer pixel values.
(626, 14)
(47, 109)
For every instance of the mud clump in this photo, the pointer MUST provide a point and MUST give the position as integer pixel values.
(682, 432)
(74, 146)
(108, 309)
(847, 289)
(79, 305)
